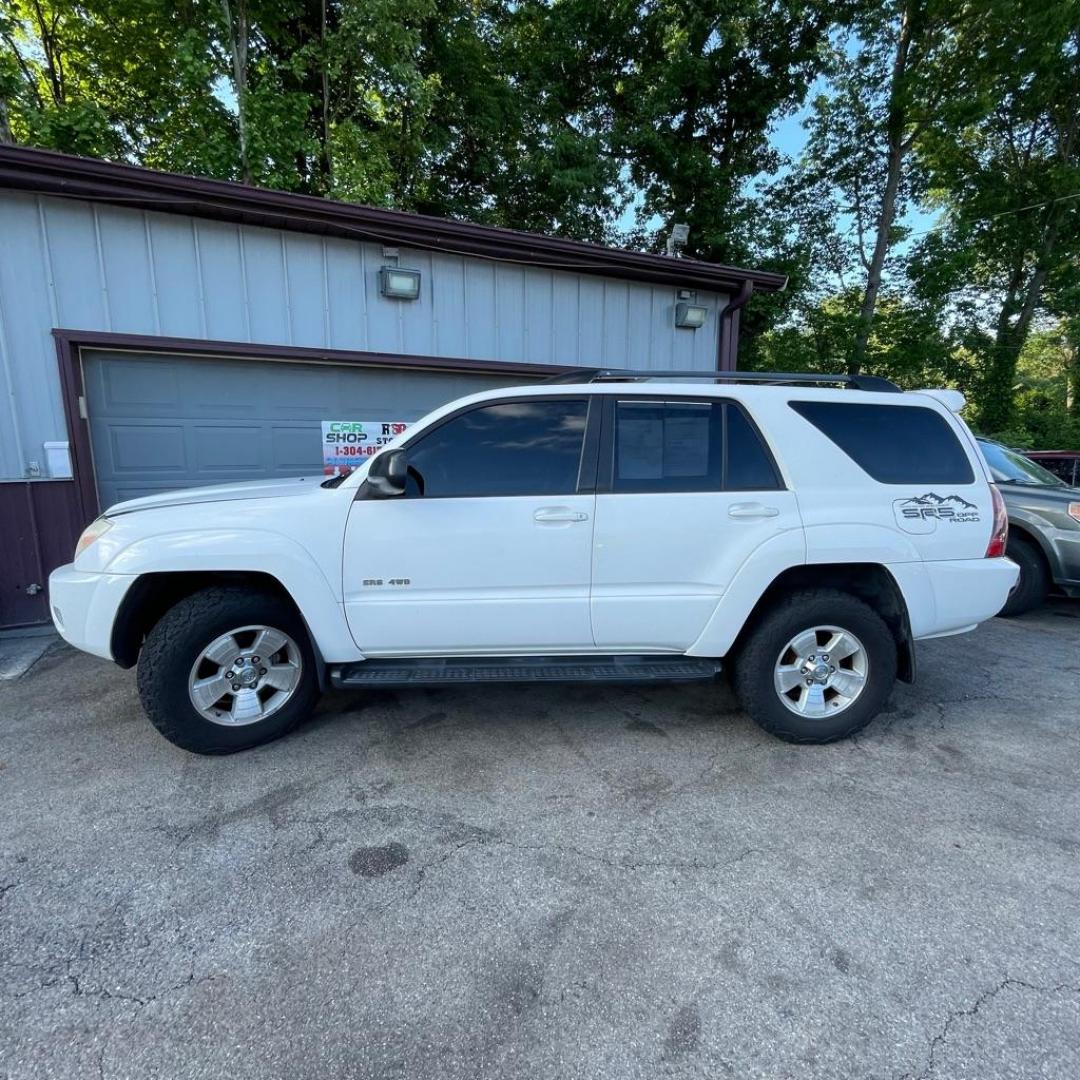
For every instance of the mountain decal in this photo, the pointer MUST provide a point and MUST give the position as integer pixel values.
(920, 513)
(932, 498)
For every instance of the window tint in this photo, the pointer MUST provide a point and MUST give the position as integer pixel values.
(895, 444)
(681, 446)
(515, 448)
(749, 467)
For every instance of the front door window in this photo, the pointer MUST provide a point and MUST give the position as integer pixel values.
(512, 448)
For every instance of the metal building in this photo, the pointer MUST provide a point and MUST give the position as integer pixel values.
(161, 331)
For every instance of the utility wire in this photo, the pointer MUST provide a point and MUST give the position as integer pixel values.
(1000, 214)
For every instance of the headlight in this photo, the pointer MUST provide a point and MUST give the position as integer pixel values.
(91, 533)
(1074, 511)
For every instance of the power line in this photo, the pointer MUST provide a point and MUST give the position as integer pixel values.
(853, 229)
(1000, 214)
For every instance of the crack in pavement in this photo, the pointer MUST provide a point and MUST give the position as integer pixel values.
(71, 970)
(105, 994)
(941, 1038)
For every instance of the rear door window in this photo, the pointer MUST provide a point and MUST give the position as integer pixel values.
(673, 446)
(894, 444)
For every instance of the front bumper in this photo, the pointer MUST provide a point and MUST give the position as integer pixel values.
(83, 606)
(1065, 545)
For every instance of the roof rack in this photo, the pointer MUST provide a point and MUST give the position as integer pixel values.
(774, 378)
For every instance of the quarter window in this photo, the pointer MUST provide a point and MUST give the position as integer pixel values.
(894, 444)
(512, 448)
(671, 446)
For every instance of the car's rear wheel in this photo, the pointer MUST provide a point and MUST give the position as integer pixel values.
(1033, 584)
(227, 669)
(817, 667)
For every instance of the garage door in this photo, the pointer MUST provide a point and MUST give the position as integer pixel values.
(164, 422)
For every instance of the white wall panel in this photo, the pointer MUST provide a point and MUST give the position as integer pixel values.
(305, 279)
(254, 289)
(127, 271)
(346, 297)
(225, 268)
(176, 276)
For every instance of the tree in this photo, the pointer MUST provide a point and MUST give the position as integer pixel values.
(691, 92)
(895, 72)
(90, 78)
(1009, 182)
(237, 37)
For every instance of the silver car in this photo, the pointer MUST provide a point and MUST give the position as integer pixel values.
(1044, 527)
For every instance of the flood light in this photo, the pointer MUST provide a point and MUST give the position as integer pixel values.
(690, 316)
(399, 284)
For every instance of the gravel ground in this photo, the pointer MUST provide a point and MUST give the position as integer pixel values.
(551, 883)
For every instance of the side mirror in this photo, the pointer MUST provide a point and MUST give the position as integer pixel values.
(387, 474)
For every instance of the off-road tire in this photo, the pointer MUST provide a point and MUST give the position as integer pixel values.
(1033, 585)
(757, 657)
(173, 645)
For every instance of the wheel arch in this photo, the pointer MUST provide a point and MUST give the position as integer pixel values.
(152, 594)
(870, 582)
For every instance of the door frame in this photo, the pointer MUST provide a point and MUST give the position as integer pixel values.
(70, 343)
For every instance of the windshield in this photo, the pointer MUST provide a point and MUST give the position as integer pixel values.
(1009, 467)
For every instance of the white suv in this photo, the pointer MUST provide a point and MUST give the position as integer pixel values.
(799, 532)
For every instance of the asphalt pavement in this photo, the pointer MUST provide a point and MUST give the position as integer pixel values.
(551, 883)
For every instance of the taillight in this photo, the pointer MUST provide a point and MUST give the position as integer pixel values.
(1000, 536)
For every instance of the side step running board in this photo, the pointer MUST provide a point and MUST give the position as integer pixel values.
(460, 670)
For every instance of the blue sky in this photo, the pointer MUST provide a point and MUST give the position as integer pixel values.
(789, 137)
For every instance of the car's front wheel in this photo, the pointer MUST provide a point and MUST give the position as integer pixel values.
(226, 669)
(817, 667)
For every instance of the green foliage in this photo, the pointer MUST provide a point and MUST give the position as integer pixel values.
(697, 88)
(123, 79)
(1004, 165)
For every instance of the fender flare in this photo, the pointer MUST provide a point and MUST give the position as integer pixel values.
(232, 550)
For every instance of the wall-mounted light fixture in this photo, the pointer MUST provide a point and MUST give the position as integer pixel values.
(690, 316)
(399, 284)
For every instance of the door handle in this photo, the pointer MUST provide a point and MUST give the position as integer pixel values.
(559, 513)
(752, 510)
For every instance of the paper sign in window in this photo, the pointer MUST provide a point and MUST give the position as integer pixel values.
(641, 448)
(686, 445)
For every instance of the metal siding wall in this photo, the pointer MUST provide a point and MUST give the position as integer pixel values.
(127, 270)
(176, 277)
(240, 275)
(98, 267)
(346, 271)
(31, 410)
(267, 297)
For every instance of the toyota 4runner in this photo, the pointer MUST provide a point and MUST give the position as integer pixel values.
(797, 532)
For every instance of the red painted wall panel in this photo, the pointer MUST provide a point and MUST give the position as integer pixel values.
(39, 524)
